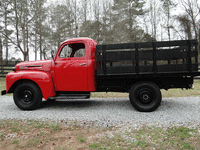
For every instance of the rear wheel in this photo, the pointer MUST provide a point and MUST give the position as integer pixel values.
(27, 96)
(145, 96)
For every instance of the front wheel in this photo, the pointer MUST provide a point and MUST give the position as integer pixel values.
(27, 96)
(145, 96)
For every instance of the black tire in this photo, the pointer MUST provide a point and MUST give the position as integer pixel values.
(27, 96)
(145, 96)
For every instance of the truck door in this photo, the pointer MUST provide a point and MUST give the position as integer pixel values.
(71, 68)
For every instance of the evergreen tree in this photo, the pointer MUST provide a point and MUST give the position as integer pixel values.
(126, 15)
(60, 23)
(38, 29)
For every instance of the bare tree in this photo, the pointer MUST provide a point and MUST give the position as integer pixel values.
(21, 22)
(5, 10)
(154, 18)
(97, 22)
(107, 23)
(185, 23)
(192, 10)
(85, 9)
(73, 9)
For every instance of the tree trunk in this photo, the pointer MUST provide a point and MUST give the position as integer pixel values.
(6, 37)
(40, 45)
(24, 42)
(35, 45)
(1, 56)
(168, 24)
(76, 24)
(1, 47)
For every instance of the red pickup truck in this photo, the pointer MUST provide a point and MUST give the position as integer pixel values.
(82, 66)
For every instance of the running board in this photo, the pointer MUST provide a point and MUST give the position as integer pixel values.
(70, 96)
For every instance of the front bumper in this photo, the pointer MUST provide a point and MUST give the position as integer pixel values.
(3, 92)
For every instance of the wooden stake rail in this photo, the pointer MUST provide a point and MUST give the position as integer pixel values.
(157, 58)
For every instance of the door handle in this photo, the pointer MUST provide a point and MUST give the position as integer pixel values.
(83, 64)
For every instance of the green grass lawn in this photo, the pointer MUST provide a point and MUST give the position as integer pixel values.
(2, 84)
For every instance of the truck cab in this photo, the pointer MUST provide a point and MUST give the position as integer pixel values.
(70, 73)
(74, 66)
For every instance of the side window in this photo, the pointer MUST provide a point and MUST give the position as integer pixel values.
(73, 50)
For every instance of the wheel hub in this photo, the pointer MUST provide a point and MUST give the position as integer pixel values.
(145, 97)
(27, 96)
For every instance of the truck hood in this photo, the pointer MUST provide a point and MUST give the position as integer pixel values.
(42, 65)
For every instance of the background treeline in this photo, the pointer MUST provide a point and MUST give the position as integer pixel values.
(35, 27)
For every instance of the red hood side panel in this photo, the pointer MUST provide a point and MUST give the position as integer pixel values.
(41, 65)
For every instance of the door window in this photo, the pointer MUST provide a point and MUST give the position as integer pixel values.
(73, 50)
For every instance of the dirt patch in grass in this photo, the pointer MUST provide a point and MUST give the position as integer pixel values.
(44, 135)
(30, 134)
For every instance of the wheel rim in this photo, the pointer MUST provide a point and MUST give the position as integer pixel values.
(27, 97)
(145, 96)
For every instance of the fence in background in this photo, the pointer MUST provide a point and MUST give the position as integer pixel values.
(6, 67)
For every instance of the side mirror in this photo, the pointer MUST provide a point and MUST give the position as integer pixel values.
(52, 56)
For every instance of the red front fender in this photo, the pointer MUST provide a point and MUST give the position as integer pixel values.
(42, 79)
